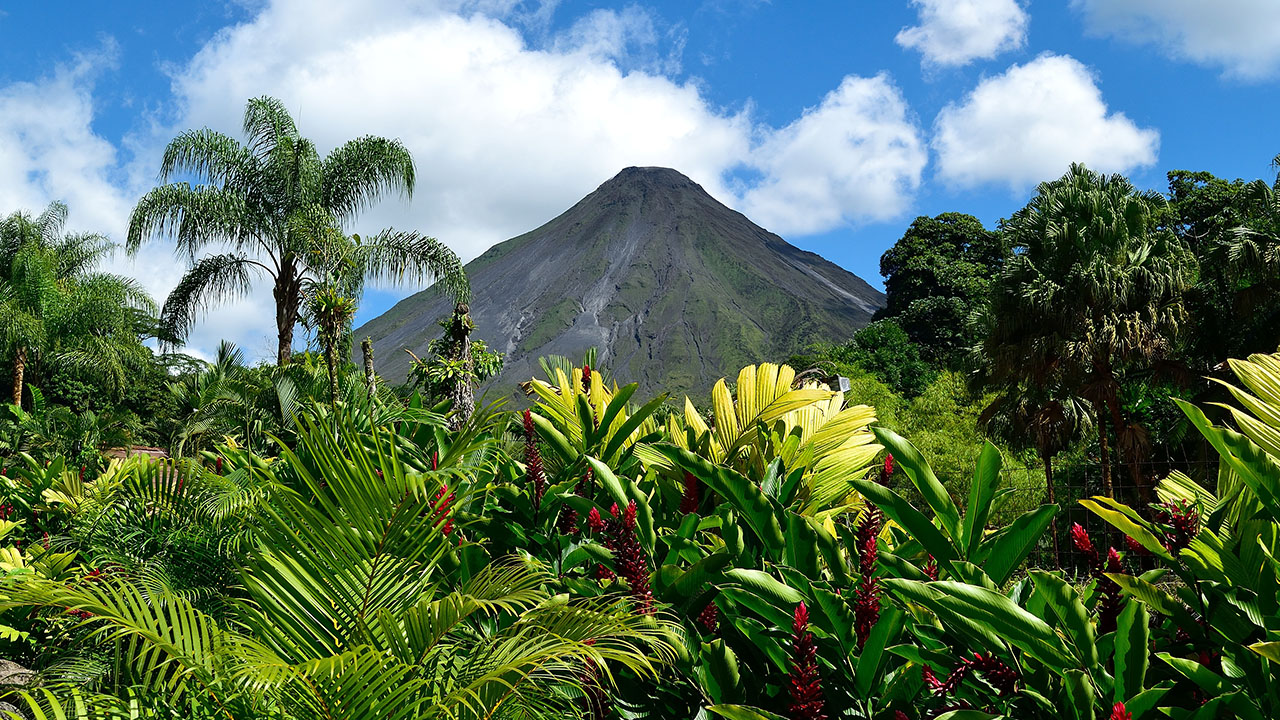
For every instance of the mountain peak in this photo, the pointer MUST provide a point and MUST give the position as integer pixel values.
(661, 178)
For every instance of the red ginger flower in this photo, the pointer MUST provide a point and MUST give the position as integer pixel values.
(1118, 712)
(930, 568)
(689, 501)
(867, 599)
(628, 556)
(806, 687)
(595, 523)
(586, 378)
(533, 462)
(887, 471)
(1183, 521)
(709, 618)
(899, 715)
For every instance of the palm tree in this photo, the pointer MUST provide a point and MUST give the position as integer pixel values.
(55, 308)
(1093, 289)
(275, 208)
(1253, 249)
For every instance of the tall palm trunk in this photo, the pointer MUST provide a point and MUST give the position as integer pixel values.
(1129, 451)
(1047, 457)
(1103, 449)
(462, 393)
(286, 292)
(19, 370)
(366, 348)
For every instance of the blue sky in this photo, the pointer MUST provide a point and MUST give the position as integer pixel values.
(831, 123)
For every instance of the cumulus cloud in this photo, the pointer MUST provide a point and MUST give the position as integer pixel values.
(856, 156)
(1031, 122)
(508, 127)
(1240, 36)
(957, 32)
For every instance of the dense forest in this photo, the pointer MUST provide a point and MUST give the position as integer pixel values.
(1043, 483)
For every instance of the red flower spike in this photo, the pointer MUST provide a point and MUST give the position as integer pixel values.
(604, 573)
(888, 466)
(930, 679)
(567, 524)
(689, 501)
(709, 618)
(806, 686)
(1118, 712)
(533, 462)
(930, 568)
(217, 465)
(628, 556)
(899, 715)
(866, 604)
(586, 378)
(595, 523)
(1183, 523)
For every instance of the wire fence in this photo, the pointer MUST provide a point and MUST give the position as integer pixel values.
(1056, 549)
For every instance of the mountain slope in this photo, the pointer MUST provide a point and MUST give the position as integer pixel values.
(674, 288)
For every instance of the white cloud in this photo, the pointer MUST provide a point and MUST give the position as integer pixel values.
(957, 32)
(50, 152)
(856, 156)
(506, 134)
(1031, 122)
(1240, 36)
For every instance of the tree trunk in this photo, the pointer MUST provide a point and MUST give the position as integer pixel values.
(19, 370)
(1130, 455)
(462, 393)
(331, 363)
(366, 348)
(1104, 451)
(286, 296)
(1052, 496)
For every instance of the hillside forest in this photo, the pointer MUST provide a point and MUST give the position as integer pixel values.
(1043, 482)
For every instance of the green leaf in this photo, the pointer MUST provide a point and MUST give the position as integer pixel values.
(1131, 642)
(1079, 694)
(615, 406)
(1268, 650)
(921, 475)
(635, 421)
(1072, 616)
(720, 676)
(801, 551)
(1210, 682)
(743, 712)
(1004, 552)
(986, 478)
(555, 439)
(986, 608)
(867, 674)
(764, 585)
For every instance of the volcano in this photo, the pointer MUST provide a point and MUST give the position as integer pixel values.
(672, 287)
